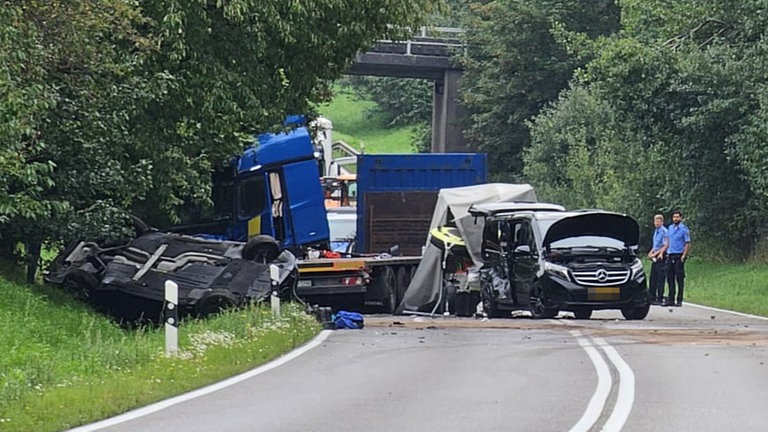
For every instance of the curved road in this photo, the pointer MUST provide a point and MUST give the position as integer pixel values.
(681, 369)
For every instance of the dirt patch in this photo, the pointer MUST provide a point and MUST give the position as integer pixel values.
(661, 336)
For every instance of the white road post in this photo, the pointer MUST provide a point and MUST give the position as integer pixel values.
(171, 316)
(274, 300)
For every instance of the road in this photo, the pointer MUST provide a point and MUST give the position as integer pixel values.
(681, 369)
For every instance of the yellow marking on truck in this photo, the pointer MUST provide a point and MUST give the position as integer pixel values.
(254, 226)
(322, 266)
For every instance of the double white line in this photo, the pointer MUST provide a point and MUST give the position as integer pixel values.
(597, 404)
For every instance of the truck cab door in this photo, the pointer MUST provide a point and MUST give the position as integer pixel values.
(303, 205)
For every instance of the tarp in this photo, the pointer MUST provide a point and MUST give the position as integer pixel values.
(425, 290)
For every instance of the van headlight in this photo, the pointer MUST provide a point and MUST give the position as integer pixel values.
(637, 270)
(557, 270)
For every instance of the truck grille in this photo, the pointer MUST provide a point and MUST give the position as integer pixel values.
(601, 277)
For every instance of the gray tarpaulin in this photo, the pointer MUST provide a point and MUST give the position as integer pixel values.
(452, 204)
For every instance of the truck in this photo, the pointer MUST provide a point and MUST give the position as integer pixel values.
(275, 189)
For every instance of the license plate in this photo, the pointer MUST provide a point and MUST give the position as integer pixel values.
(304, 283)
(603, 293)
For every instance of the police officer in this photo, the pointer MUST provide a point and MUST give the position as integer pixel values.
(658, 258)
(679, 245)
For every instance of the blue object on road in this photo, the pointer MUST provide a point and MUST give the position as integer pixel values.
(348, 320)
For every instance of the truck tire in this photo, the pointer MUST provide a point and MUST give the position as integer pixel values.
(214, 302)
(403, 280)
(261, 248)
(385, 283)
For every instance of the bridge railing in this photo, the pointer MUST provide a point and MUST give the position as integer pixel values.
(430, 41)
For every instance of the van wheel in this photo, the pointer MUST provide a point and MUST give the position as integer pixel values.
(214, 302)
(636, 313)
(582, 314)
(538, 309)
(490, 307)
(261, 248)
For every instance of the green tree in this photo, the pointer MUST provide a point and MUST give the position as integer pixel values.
(515, 65)
(118, 105)
(681, 95)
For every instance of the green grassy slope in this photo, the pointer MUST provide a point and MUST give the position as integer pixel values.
(353, 125)
(62, 365)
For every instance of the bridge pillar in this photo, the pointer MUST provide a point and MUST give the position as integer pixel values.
(447, 112)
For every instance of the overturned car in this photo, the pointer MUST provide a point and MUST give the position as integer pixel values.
(128, 281)
(578, 261)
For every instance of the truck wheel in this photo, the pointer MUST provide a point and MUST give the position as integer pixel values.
(403, 280)
(385, 283)
(261, 248)
(214, 302)
(636, 313)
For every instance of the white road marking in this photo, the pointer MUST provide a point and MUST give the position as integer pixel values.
(741, 314)
(626, 395)
(141, 412)
(602, 391)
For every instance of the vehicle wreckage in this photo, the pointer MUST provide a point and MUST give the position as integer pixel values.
(128, 281)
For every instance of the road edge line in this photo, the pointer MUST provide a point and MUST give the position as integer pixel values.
(159, 406)
(741, 314)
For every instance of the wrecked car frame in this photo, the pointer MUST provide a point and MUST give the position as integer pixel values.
(128, 281)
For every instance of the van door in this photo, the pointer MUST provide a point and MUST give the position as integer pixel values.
(524, 259)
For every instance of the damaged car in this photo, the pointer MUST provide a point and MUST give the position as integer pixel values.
(546, 262)
(128, 281)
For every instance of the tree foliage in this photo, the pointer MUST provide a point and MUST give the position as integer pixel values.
(670, 114)
(115, 105)
(515, 65)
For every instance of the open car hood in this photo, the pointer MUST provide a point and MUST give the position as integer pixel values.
(604, 224)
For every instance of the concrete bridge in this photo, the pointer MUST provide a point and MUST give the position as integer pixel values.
(427, 55)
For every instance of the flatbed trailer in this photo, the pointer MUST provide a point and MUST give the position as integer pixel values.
(377, 282)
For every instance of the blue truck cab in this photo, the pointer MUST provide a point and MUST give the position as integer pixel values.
(274, 189)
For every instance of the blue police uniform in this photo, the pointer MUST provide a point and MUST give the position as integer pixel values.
(659, 266)
(679, 235)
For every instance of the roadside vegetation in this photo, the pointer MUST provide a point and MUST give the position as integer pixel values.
(63, 365)
(359, 124)
(738, 287)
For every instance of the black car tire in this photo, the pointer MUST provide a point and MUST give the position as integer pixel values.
(636, 313)
(214, 302)
(582, 314)
(82, 285)
(490, 307)
(538, 309)
(261, 248)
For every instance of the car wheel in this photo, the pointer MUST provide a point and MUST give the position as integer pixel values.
(490, 307)
(214, 302)
(582, 314)
(261, 248)
(636, 313)
(539, 309)
(82, 285)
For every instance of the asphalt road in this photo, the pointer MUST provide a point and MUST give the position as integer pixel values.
(681, 369)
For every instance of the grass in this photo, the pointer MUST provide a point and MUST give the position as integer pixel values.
(63, 365)
(739, 287)
(353, 125)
